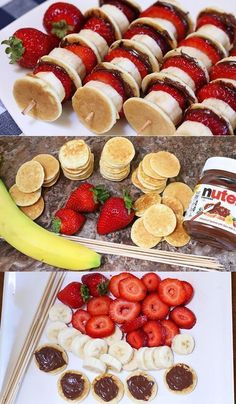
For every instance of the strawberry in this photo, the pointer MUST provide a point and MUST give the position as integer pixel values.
(155, 332)
(176, 93)
(133, 56)
(220, 90)
(74, 295)
(86, 54)
(96, 283)
(116, 214)
(135, 324)
(226, 22)
(100, 327)
(87, 198)
(101, 27)
(159, 37)
(61, 74)
(62, 19)
(121, 310)
(154, 308)
(171, 330)
(137, 339)
(217, 124)
(99, 305)
(225, 70)
(79, 320)
(151, 281)
(172, 292)
(206, 46)
(132, 289)
(233, 51)
(189, 291)
(130, 12)
(67, 221)
(27, 45)
(183, 317)
(107, 77)
(115, 281)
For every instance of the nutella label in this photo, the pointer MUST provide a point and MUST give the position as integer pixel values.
(214, 206)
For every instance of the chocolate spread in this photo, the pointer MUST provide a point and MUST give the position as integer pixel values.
(128, 89)
(139, 55)
(106, 388)
(49, 359)
(179, 377)
(140, 387)
(162, 38)
(72, 385)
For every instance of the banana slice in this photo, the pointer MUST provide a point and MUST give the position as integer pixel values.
(109, 91)
(97, 40)
(132, 364)
(183, 344)
(196, 54)
(81, 40)
(66, 336)
(66, 66)
(78, 343)
(117, 336)
(216, 34)
(111, 362)
(167, 103)
(163, 357)
(141, 353)
(69, 57)
(151, 44)
(149, 359)
(167, 25)
(119, 17)
(53, 330)
(121, 350)
(129, 67)
(191, 128)
(60, 312)
(95, 348)
(54, 82)
(94, 365)
(223, 108)
(179, 73)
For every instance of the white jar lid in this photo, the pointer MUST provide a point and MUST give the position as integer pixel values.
(220, 163)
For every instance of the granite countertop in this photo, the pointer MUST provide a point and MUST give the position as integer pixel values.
(192, 153)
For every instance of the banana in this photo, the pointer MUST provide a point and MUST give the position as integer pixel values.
(216, 34)
(117, 336)
(39, 243)
(197, 54)
(167, 103)
(132, 364)
(121, 350)
(119, 17)
(95, 348)
(111, 362)
(78, 343)
(163, 357)
(151, 44)
(149, 359)
(129, 67)
(170, 28)
(60, 312)
(66, 336)
(183, 344)
(54, 82)
(190, 128)
(70, 58)
(223, 108)
(108, 91)
(179, 73)
(94, 365)
(141, 358)
(53, 330)
(97, 40)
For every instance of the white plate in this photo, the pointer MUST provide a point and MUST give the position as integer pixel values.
(212, 358)
(68, 124)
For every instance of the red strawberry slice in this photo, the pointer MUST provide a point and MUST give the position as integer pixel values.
(171, 330)
(100, 327)
(109, 78)
(224, 70)
(233, 51)
(190, 66)
(115, 281)
(159, 38)
(101, 27)
(183, 317)
(189, 291)
(172, 292)
(135, 324)
(80, 319)
(154, 308)
(204, 45)
(151, 281)
(132, 289)
(226, 22)
(133, 56)
(86, 54)
(99, 305)
(221, 90)
(61, 74)
(130, 12)
(74, 295)
(137, 339)
(217, 124)
(121, 310)
(97, 283)
(155, 332)
(173, 91)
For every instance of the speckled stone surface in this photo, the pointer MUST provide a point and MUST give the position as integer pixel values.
(192, 153)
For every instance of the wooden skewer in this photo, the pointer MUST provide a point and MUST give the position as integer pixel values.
(147, 123)
(29, 107)
(90, 116)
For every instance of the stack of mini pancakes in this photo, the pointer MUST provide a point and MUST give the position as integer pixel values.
(42, 171)
(116, 157)
(76, 160)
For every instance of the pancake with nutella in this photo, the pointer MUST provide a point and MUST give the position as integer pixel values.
(180, 379)
(107, 388)
(141, 387)
(73, 386)
(51, 358)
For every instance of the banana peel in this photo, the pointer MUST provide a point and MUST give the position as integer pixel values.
(38, 243)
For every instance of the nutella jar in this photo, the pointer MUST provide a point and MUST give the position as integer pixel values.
(211, 216)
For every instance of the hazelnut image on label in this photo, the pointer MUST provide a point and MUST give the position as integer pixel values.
(51, 358)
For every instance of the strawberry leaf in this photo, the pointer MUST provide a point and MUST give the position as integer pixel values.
(128, 201)
(61, 28)
(15, 49)
(56, 225)
(100, 194)
(84, 290)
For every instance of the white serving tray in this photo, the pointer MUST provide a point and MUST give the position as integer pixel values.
(212, 358)
(68, 124)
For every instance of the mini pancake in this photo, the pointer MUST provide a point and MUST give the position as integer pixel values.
(73, 386)
(159, 220)
(80, 40)
(165, 164)
(147, 181)
(137, 184)
(53, 353)
(179, 237)
(115, 177)
(50, 165)
(23, 199)
(68, 68)
(98, 12)
(145, 201)
(107, 388)
(51, 183)
(180, 191)
(30, 177)
(141, 237)
(112, 170)
(174, 204)
(82, 176)
(74, 153)
(149, 387)
(82, 168)
(146, 166)
(118, 151)
(180, 379)
(35, 210)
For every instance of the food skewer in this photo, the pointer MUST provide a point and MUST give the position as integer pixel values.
(29, 107)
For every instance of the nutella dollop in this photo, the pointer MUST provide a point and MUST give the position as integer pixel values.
(179, 378)
(140, 387)
(49, 359)
(106, 388)
(72, 385)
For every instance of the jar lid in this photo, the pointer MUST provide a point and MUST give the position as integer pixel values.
(220, 163)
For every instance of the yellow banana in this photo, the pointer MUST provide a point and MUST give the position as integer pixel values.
(38, 243)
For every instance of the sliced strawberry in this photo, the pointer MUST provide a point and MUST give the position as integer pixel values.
(100, 327)
(61, 74)
(132, 289)
(224, 70)
(121, 310)
(154, 308)
(135, 324)
(99, 305)
(172, 292)
(159, 37)
(171, 330)
(129, 11)
(107, 77)
(220, 20)
(80, 319)
(137, 339)
(115, 280)
(221, 90)
(151, 281)
(233, 51)
(204, 45)
(189, 291)
(155, 332)
(101, 27)
(217, 124)
(173, 91)
(190, 66)
(133, 56)
(183, 317)
(86, 54)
